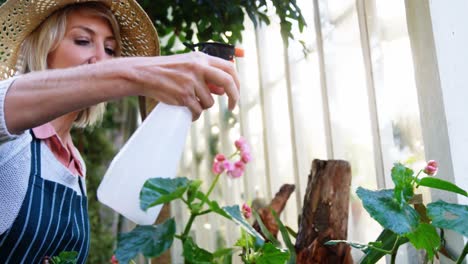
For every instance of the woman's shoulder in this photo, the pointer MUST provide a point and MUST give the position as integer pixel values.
(15, 148)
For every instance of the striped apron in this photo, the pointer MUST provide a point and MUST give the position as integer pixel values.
(52, 219)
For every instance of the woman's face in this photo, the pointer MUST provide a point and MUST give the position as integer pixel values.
(88, 39)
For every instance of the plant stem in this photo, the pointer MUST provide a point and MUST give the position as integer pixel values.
(395, 250)
(392, 260)
(463, 254)
(188, 226)
(380, 249)
(193, 215)
(212, 186)
(415, 179)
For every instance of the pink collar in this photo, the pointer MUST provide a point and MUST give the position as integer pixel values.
(65, 153)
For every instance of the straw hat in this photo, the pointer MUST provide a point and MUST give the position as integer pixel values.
(18, 18)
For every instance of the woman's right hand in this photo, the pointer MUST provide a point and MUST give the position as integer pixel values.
(183, 79)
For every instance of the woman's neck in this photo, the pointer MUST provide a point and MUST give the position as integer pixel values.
(63, 125)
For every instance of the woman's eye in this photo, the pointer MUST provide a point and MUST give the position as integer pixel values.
(110, 51)
(81, 42)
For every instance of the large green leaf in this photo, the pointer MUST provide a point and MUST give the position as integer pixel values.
(382, 206)
(150, 240)
(437, 183)
(272, 255)
(162, 190)
(403, 178)
(449, 216)
(196, 255)
(425, 237)
(235, 212)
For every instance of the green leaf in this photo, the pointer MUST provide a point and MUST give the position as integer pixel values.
(268, 235)
(224, 255)
(246, 240)
(192, 191)
(286, 238)
(449, 216)
(235, 212)
(272, 255)
(194, 254)
(382, 206)
(425, 237)
(162, 190)
(403, 179)
(65, 257)
(150, 240)
(214, 206)
(386, 241)
(437, 183)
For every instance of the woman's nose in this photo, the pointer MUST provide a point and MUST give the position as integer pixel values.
(99, 55)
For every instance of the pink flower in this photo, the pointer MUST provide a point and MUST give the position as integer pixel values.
(246, 157)
(246, 211)
(227, 166)
(241, 144)
(238, 170)
(431, 168)
(220, 157)
(217, 167)
(114, 260)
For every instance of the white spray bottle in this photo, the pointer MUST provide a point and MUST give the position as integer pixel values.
(153, 150)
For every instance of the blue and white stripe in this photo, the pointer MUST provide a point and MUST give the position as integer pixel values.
(53, 218)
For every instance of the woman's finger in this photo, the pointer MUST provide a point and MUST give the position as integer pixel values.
(220, 78)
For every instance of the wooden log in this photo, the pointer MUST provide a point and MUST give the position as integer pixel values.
(278, 203)
(325, 214)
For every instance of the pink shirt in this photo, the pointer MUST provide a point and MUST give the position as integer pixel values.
(65, 153)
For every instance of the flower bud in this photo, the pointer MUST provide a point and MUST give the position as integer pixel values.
(241, 143)
(246, 157)
(217, 167)
(431, 168)
(246, 211)
(220, 157)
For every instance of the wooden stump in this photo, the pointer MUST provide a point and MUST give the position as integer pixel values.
(325, 214)
(277, 204)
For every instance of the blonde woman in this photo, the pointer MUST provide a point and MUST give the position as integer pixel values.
(58, 64)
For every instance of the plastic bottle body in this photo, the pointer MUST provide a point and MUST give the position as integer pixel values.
(154, 150)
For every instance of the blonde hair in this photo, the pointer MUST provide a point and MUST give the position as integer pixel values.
(45, 39)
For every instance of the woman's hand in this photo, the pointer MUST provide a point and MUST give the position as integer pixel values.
(183, 79)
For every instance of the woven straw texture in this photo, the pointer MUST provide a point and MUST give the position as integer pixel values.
(18, 18)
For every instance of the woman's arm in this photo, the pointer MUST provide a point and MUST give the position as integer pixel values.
(39, 97)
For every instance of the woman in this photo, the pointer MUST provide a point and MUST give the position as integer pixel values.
(63, 58)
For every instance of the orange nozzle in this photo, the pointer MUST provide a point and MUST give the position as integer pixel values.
(239, 52)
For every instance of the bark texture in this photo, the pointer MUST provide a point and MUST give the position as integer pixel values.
(325, 214)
